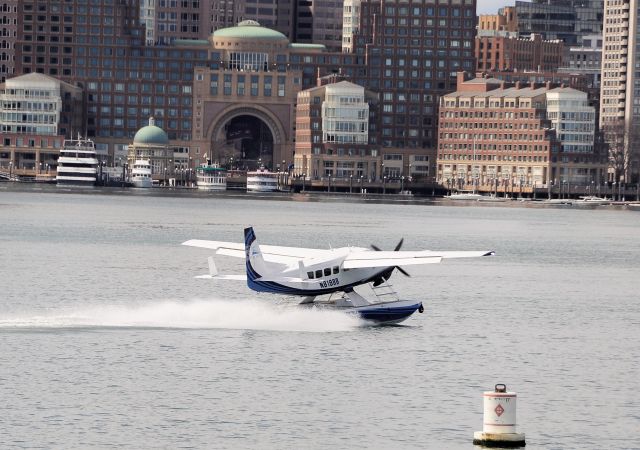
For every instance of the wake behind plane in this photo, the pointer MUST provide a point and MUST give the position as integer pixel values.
(328, 277)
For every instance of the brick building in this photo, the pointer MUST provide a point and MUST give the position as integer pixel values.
(496, 137)
(502, 53)
(505, 20)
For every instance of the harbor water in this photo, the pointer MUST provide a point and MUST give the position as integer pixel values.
(107, 340)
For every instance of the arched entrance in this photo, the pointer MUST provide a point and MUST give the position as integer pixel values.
(247, 138)
(249, 142)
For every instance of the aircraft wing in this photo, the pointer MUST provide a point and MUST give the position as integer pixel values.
(270, 253)
(361, 259)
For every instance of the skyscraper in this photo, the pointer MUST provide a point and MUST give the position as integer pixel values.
(8, 32)
(620, 88)
(412, 54)
(319, 22)
(567, 20)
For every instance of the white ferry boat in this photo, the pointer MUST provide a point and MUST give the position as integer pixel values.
(262, 180)
(141, 174)
(211, 177)
(77, 163)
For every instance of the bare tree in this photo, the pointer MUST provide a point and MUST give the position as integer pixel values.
(617, 140)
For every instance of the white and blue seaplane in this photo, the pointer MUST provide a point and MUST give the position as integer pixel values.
(328, 278)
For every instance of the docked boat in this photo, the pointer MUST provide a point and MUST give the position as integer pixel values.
(141, 174)
(473, 196)
(211, 177)
(262, 180)
(464, 195)
(591, 200)
(77, 163)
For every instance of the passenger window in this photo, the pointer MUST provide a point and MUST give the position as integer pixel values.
(310, 275)
(327, 272)
(336, 269)
(318, 273)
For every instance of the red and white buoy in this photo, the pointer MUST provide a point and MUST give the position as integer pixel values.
(499, 420)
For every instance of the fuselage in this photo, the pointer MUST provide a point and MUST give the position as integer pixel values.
(310, 277)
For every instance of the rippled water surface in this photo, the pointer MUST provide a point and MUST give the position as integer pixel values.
(106, 340)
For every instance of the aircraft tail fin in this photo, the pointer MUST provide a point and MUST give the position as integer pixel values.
(256, 267)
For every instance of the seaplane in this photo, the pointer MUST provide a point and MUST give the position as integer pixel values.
(328, 277)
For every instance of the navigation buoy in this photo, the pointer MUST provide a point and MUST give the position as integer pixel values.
(499, 420)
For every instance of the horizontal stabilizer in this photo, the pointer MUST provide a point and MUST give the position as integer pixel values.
(223, 277)
(214, 275)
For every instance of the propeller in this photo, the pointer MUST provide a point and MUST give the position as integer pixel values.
(386, 274)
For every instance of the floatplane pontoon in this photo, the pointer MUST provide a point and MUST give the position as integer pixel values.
(328, 278)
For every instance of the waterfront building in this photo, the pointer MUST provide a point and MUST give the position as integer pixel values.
(620, 88)
(36, 113)
(333, 124)
(493, 136)
(503, 53)
(245, 99)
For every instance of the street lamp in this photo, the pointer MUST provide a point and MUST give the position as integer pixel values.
(401, 184)
(521, 182)
(10, 170)
(620, 198)
(350, 183)
(384, 184)
(613, 191)
(304, 177)
(124, 171)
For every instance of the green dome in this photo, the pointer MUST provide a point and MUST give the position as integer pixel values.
(151, 134)
(249, 29)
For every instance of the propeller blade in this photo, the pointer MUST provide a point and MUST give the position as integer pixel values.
(388, 273)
